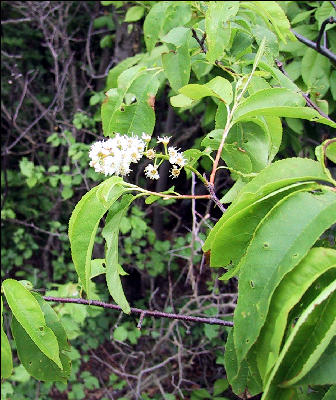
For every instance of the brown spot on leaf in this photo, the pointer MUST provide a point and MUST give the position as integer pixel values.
(151, 101)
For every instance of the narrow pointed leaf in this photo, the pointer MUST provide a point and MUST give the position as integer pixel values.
(311, 335)
(286, 295)
(281, 241)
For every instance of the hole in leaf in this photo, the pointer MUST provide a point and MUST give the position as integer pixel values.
(252, 284)
(266, 245)
(41, 328)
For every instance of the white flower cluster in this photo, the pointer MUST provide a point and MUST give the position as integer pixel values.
(114, 156)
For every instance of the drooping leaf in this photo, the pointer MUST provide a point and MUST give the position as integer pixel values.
(278, 175)
(35, 362)
(217, 27)
(286, 295)
(311, 335)
(134, 13)
(6, 352)
(113, 269)
(84, 223)
(29, 315)
(218, 87)
(315, 71)
(281, 241)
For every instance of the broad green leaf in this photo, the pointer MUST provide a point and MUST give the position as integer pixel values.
(331, 151)
(278, 175)
(177, 36)
(311, 335)
(217, 27)
(176, 65)
(113, 75)
(154, 22)
(97, 267)
(217, 87)
(331, 393)
(181, 100)
(324, 371)
(200, 65)
(280, 242)
(134, 14)
(274, 16)
(84, 223)
(315, 71)
(111, 236)
(6, 352)
(286, 295)
(110, 105)
(135, 118)
(29, 315)
(267, 102)
(234, 235)
(35, 362)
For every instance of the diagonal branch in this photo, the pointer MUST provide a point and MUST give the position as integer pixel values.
(322, 50)
(143, 313)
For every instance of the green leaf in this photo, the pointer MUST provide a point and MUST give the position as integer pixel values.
(331, 152)
(274, 16)
(220, 386)
(268, 102)
(36, 363)
(84, 223)
(311, 335)
(97, 267)
(177, 36)
(315, 71)
(218, 28)
(120, 333)
(281, 241)
(177, 67)
(181, 100)
(217, 87)
(286, 295)
(29, 315)
(324, 371)
(154, 23)
(134, 14)
(6, 352)
(113, 75)
(113, 269)
(278, 175)
(234, 235)
(331, 393)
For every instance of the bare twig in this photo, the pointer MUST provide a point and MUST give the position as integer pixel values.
(152, 313)
(330, 20)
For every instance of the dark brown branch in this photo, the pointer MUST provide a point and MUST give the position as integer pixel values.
(304, 95)
(323, 50)
(151, 313)
(330, 20)
(199, 41)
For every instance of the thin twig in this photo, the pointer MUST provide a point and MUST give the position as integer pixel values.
(152, 313)
(306, 97)
(330, 20)
(323, 50)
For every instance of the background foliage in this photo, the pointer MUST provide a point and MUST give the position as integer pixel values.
(59, 58)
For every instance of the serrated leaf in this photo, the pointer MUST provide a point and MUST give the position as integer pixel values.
(286, 295)
(281, 241)
(299, 355)
(154, 22)
(278, 175)
(176, 65)
(6, 352)
(111, 236)
(217, 27)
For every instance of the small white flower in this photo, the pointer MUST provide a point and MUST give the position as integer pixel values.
(164, 140)
(150, 153)
(180, 160)
(146, 137)
(175, 171)
(151, 172)
(173, 153)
